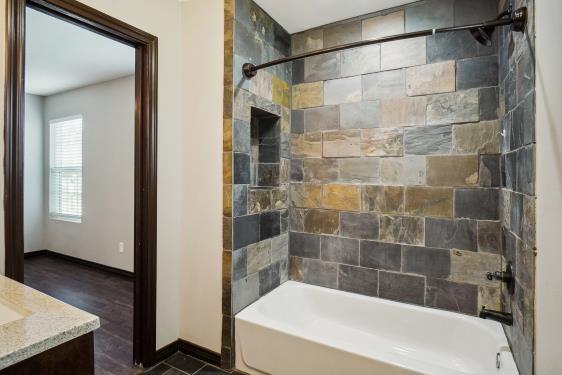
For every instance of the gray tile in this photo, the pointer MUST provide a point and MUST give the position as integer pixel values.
(360, 115)
(241, 136)
(516, 213)
(307, 41)
(489, 236)
(240, 79)
(477, 72)
(211, 370)
(450, 46)
(362, 60)
(489, 173)
(239, 200)
(474, 11)
(297, 71)
(456, 107)
(245, 291)
(403, 288)
(270, 224)
(245, 230)
(297, 121)
(358, 280)
(489, 103)
(525, 75)
(269, 278)
(431, 14)
(239, 260)
(452, 296)
(314, 271)
(451, 234)
(241, 168)
(428, 140)
(321, 118)
(384, 85)
(339, 250)
(525, 170)
(343, 90)
(159, 369)
(382, 256)
(402, 229)
(426, 261)
(342, 34)
(479, 204)
(304, 245)
(523, 123)
(322, 67)
(359, 225)
(185, 363)
(297, 172)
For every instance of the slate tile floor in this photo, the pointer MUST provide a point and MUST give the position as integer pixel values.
(182, 364)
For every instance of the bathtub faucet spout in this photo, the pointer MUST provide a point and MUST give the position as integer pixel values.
(498, 316)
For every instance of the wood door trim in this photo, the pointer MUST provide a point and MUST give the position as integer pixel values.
(146, 83)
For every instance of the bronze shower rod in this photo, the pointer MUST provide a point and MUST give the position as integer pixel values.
(480, 31)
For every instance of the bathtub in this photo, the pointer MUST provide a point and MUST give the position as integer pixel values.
(300, 329)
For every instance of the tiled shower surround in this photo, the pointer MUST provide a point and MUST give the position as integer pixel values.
(517, 198)
(389, 181)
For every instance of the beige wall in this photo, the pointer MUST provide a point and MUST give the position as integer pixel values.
(549, 187)
(189, 153)
(201, 234)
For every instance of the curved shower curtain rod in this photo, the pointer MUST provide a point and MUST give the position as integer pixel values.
(480, 31)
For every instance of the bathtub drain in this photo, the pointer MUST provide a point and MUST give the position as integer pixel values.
(498, 361)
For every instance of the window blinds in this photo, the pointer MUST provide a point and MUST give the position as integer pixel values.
(65, 176)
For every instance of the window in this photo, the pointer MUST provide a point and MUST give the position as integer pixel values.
(65, 170)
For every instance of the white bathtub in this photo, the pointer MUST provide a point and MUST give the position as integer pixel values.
(300, 329)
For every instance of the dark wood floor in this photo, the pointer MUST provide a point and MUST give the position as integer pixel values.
(101, 293)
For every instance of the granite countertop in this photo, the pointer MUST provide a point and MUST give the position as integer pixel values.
(36, 322)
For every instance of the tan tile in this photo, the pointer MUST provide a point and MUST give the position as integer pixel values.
(382, 142)
(461, 170)
(321, 221)
(403, 53)
(403, 112)
(306, 195)
(341, 143)
(428, 201)
(307, 95)
(341, 197)
(307, 145)
(281, 92)
(431, 78)
(481, 138)
(320, 170)
(381, 26)
(470, 267)
(227, 167)
(359, 170)
(383, 199)
(227, 135)
(227, 200)
(280, 198)
(310, 40)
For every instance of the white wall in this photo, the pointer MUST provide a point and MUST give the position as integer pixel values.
(549, 187)
(201, 239)
(33, 174)
(108, 166)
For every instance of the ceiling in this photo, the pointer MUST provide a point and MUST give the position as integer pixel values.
(300, 15)
(61, 56)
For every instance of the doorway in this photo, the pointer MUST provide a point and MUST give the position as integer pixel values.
(144, 85)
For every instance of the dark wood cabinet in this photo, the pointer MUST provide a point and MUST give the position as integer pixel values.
(70, 358)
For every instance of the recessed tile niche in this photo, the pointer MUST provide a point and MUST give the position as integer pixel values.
(264, 152)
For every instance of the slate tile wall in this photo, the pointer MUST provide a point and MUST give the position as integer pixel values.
(256, 163)
(395, 165)
(517, 197)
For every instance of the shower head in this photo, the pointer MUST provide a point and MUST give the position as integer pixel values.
(483, 34)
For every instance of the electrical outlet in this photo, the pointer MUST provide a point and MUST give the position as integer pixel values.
(121, 247)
